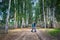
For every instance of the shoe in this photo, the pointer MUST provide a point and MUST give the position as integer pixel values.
(35, 31)
(31, 30)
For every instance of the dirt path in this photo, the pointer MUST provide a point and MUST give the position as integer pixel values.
(27, 35)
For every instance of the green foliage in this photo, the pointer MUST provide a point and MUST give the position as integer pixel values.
(27, 9)
(54, 32)
(4, 6)
(58, 10)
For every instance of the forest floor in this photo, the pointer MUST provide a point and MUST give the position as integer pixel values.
(26, 34)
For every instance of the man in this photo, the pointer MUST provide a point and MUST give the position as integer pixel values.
(33, 27)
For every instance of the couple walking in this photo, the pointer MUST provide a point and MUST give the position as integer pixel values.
(33, 27)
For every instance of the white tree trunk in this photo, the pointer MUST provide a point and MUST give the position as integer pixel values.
(50, 17)
(47, 13)
(26, 21)
(47, 16)
(44, 14)
(7, 19)
(54, 17)
(15, 21)
(23, 23)
(27, 17)
(50, 14)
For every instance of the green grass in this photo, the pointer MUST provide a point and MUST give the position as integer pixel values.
(54, 32)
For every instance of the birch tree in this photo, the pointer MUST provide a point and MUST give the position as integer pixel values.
(7, 19)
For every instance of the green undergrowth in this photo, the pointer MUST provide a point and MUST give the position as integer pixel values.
(54, 32)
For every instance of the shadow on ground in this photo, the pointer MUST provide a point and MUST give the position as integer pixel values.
(26, 34)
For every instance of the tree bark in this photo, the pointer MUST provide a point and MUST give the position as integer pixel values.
(15, 21)
(44, 14)
(7, 19)
(54, 17)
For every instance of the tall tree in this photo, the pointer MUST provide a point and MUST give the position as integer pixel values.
(8, 13)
